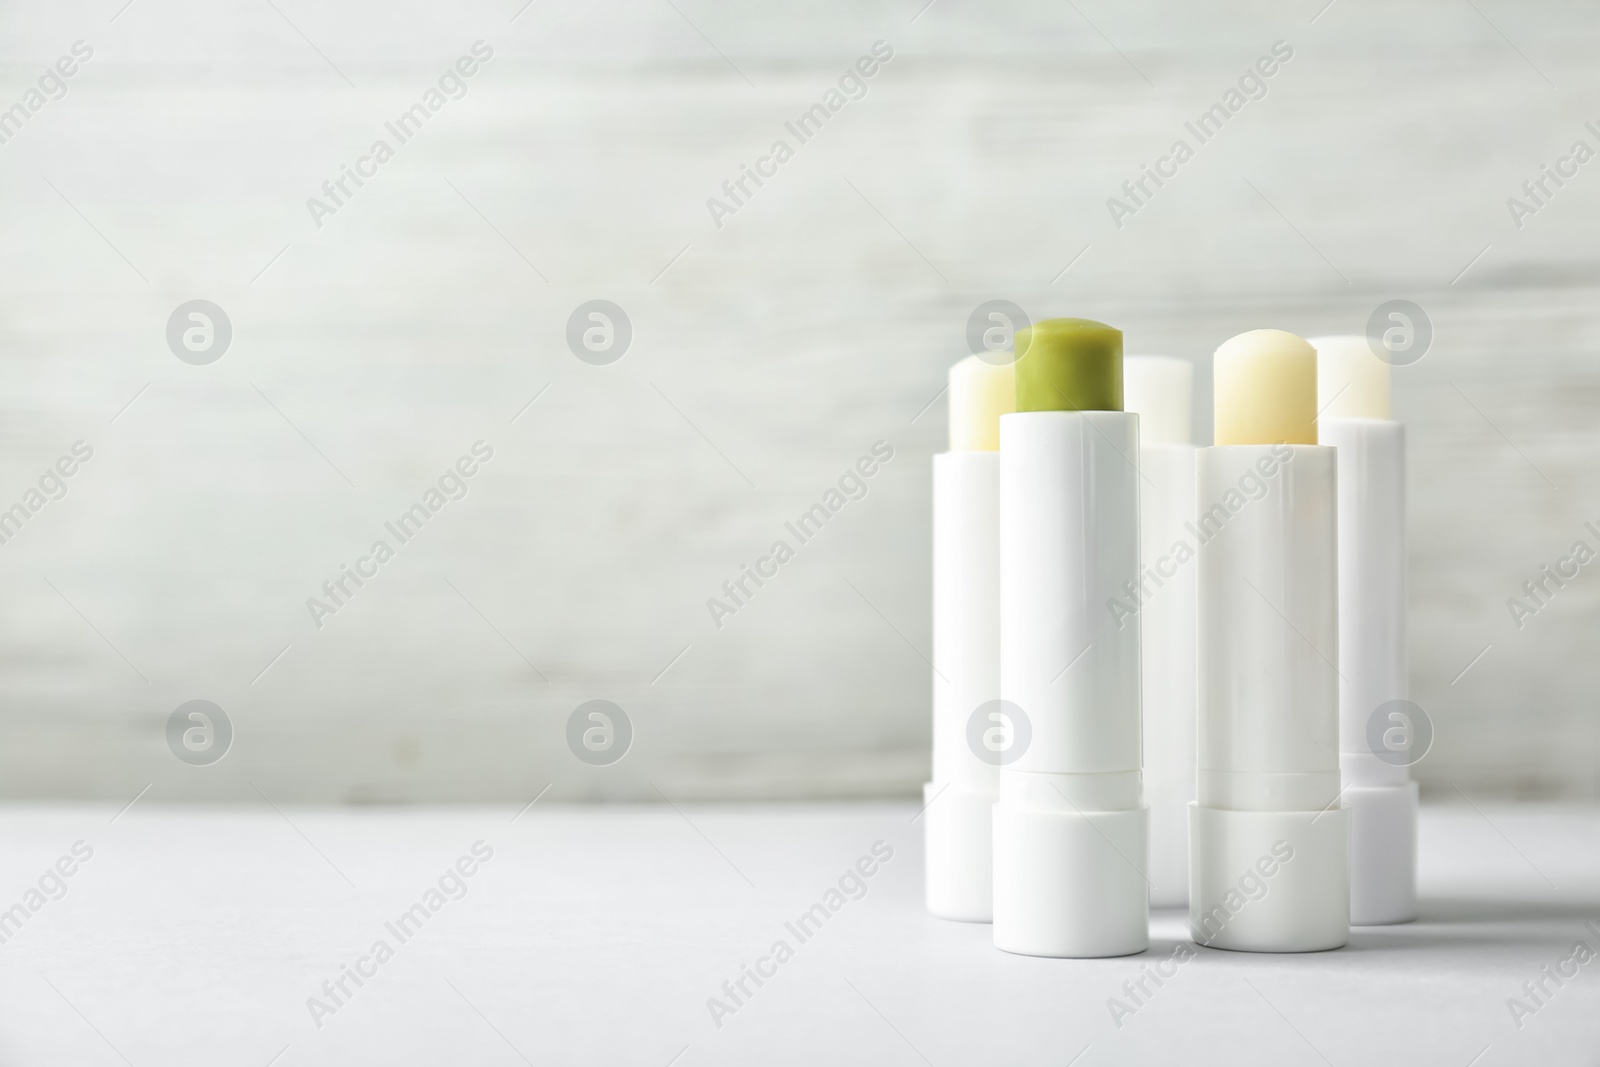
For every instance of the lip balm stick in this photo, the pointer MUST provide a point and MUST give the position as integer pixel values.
(1160, 390)
(1269, 868)
(1070, 829)
(1353, 390)
(958, 816)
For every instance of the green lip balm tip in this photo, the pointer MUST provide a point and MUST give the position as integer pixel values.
(1069, 365)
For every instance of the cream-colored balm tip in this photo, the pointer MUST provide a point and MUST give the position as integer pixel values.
(980, 392)
(1160, 390)
(1265, 386)
(1352, 382)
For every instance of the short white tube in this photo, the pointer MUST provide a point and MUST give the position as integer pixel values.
(1269, 867)
(958, 817)
(1070, 829)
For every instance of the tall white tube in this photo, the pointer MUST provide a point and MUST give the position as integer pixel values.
(1160, 391)
(1354, 389)
(1269, 860)
(966, 660)
(958, 803)
(1070, 828)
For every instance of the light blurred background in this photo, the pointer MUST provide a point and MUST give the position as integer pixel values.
(767, 355)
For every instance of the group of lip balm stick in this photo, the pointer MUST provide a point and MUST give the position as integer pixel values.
(1155, 663)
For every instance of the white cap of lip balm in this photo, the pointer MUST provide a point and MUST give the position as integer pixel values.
(1269, 866)
(1160, 390)
(958, 803)
(1353, 390)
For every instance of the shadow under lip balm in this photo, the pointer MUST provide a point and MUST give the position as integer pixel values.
(958, 816)
(1353, 389)
(1070, 828)
(1268, 842)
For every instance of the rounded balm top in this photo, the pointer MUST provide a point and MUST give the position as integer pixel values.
(1265, 385)
(980, 392)
(1069, 365)
(1352, 382)
(1160, 390)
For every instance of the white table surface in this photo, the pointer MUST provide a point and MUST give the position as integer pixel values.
(597, 935)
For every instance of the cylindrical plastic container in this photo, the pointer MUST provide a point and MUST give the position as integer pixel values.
(958, 802)
(958, 818)
(1269, 868)
(1160, 390)
(1372, 660)
(1070, 828)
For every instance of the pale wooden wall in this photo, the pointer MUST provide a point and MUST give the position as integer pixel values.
(818, 320)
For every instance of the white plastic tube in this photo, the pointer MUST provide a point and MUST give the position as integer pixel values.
(1160, 390)
(1070, 831)
(958, 818)
(1269, 867)
(958, 802)
(1372, 658)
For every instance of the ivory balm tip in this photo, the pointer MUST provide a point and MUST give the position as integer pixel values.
(1160, 390)
(1265, 386)
(1352, 382)
(980, 392)
(1069, 365)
